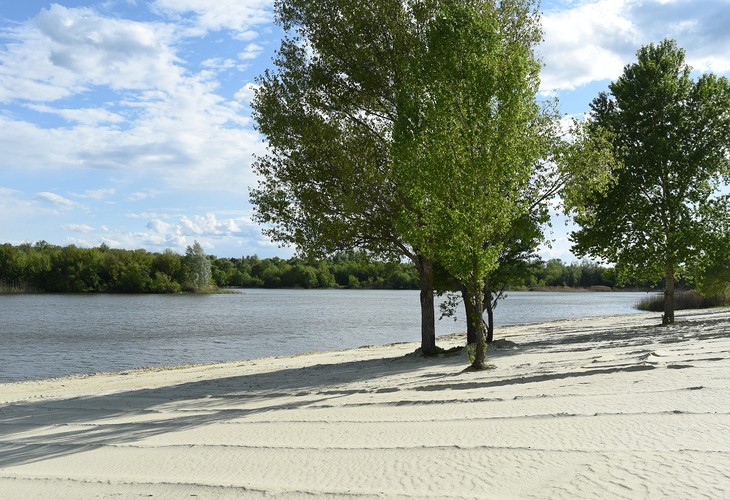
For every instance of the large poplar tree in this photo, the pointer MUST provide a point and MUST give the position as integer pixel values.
(670, 137)
(468, 140)
(327, 111)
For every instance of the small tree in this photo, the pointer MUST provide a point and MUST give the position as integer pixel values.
(197, 267)
(670, 137)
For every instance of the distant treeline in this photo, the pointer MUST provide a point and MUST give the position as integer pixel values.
(43, 267)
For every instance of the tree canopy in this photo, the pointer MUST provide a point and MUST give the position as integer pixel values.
(394, 125)
(327, 111)
(468, 140)
(670, 137)
(198, 267)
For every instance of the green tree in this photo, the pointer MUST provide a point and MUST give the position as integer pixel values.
(197, 267)
(670, 137)
(710, 267)
(328, 113)
(466, 147)
(168, 263)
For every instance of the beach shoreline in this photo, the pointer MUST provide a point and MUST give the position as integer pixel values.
(593, 408)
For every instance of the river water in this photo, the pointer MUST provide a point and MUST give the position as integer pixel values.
(44, 336)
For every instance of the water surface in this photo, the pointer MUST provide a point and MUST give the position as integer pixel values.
(43, 336)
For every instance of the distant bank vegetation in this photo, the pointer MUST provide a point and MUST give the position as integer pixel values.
(43, 267)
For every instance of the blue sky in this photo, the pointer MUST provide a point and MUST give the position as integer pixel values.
(127, 122)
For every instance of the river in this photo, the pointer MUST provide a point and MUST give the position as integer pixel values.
(47, 335)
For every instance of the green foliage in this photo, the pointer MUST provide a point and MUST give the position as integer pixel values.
(197, 268)
(670, 140)
(327, 112)
(49, 268)
(468, 139)
(343, 270)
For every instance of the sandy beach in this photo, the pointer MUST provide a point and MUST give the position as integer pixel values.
(613, 407)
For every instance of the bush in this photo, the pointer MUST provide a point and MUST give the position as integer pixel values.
(682, 300)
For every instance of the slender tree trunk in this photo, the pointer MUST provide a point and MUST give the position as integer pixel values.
(668, 317)
(478, 321)
(486, 305)
(471, 332)
(490, 318)
(490, 311)
(428, 321)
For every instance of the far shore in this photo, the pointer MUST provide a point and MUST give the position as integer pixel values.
(594, 288)
(6, 290)
(611, 407)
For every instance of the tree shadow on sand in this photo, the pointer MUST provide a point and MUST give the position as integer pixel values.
(68, 426)
(42, 430)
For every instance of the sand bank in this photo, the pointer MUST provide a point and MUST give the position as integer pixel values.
(593, 408)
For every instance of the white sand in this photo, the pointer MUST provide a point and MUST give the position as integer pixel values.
(594, 408)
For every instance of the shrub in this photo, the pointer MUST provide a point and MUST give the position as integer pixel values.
(682, 300)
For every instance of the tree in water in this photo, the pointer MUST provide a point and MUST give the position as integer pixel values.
(670, 138)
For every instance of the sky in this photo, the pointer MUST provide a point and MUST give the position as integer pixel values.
(128, 122)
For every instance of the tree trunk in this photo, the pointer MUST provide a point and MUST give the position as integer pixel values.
(478, 322)
(490, 310)
(469, 304)
(471, 332)
(428, 321)
(490, 317)
(668, 317)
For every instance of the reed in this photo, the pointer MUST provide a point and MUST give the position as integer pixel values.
(682, 300)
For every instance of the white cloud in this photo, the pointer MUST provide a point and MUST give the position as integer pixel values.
(212, 231)
(252, 51)
(13, 204)
(208, 226)
(246, 93)
(220, 64)
(246, 36)
(55, 200)
(158, 234)
(84, 116)
(167, 124)
(234, 15)
(586, 43)
(63, 52)
(158, 226)
(148, 215)
(99, 194)
(594, 39)
(78, 228)
(143, 195)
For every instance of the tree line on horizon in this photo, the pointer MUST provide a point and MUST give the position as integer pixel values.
(42, 267)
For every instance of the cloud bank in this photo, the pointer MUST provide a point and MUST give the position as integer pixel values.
(593, 40)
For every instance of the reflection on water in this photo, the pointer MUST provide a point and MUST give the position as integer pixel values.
(46, 336)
